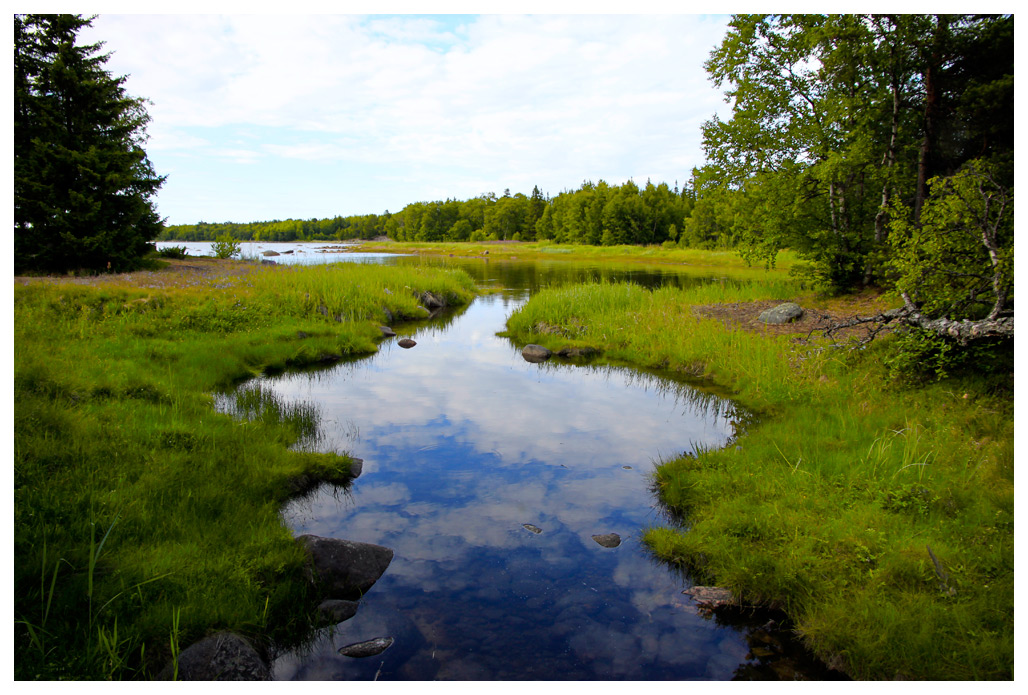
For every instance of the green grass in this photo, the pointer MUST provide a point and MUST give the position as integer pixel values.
(834, 502)
(728, 262)
(144, 518)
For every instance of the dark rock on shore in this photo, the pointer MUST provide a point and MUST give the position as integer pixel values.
(224, 656)
(536, 353)
(783, 313)
(387, 332)
(344, 569)
(432, 301)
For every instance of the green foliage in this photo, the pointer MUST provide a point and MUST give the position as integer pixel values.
(957, 261)
(834, 116)
(917, 356)
(176, 252)
(83, 185)
(225, 247)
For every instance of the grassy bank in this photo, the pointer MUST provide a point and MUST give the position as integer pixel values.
(879, 515)
(143, 518)
(728, 262)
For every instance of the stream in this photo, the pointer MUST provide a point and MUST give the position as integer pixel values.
(489, 476)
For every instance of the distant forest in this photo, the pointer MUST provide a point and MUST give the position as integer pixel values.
(595, 213)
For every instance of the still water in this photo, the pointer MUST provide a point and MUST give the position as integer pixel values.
(488, 476)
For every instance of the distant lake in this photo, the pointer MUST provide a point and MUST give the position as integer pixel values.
(289, 252)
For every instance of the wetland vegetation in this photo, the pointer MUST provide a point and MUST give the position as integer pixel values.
(866, 173)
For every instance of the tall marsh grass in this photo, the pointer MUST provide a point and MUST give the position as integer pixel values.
(143, 517)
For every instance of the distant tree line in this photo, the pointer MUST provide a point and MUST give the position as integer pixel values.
(595, 213)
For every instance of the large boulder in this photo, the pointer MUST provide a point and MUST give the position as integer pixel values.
(344, 569)
(783, 313)
(224, 656)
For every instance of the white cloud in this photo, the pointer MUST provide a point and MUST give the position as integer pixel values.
(515, 100)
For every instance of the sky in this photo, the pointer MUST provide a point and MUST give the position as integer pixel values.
(261, 117)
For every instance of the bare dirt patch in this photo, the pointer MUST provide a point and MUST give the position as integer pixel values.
(818, 314)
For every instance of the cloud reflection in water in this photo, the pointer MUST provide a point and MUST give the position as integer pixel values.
(464, 442)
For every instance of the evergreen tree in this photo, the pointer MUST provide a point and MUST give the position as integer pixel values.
(83, 185)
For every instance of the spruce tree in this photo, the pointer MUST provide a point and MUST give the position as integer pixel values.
(83, 185)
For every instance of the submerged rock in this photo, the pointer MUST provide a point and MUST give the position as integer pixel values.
(224, 656)
(608, 540)
(406, 343)
(370, 647)
(711, 597)
(535, 353)
(783, 313)
(342, 568)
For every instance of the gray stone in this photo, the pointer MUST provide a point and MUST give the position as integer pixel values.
(533, 528)
(608, 540)
(783, 313)
(224, 656)
(356, 467)
(406, 343)
(370, 647)
(272, 253)
(345, 569)
(431, 300)
(334, 611)
(535, 353)
(387, 331)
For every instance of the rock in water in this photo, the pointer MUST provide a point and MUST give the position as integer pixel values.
(711, 597)
(345, 569)
(783, 313)
(535, 353)
(406, 343)
(369, 648)
(387, 331)
(608, 540)
(533, 528)
(356, 467)
(334, 611)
